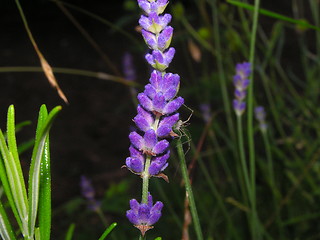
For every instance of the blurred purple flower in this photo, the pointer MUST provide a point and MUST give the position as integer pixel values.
(89, 194)
(206, 112)
(128, 68)
(241, 83)
(260, 115)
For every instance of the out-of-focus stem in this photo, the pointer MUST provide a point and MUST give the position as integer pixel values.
(189, 192)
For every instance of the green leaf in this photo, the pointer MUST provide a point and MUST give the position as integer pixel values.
(6, 232)
(44, 124)
(107, 231)
(70, 232)
(158, 238)
(45, 194)
(6, 187)
(14, 173)
(302, 23)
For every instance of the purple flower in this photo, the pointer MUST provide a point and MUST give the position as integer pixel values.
(154, 23)
(260, 115)
(241, 83)
(149, 143)
(157, 112)
(144, 215)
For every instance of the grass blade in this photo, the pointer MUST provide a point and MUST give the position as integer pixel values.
(107, 231)
(271, 14)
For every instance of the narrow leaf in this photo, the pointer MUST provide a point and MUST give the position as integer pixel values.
(6, 187)
(107, 231)
(6, 232)
(16, 183)
(44, 125)
(45, 194)
(271, 14)
(12, 147)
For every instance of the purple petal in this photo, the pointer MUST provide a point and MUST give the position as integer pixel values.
(170, 120)
(136, 140)
(173, 106)
(164, 38)
(144, 22)
(144, 214)
(143, 123)
(157, 55)
(164, 131)
(145, 101)
(150, 39)
(135, 164)
(160, 147)
(150, 139)
(155, 213)
(150, 200)
(159, 102)
(169, 54)
(155, 78)
(150, 59)
(134, 152)
(150, 91)
(170, 93)
(158, 164)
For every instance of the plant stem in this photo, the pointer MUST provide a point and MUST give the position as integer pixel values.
(255, 228)
(189, 192)
(243, 157)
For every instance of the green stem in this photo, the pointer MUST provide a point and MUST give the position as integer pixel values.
(243, 157)
(255, 227)
(186, 179)
(145, 180)
(221, 71)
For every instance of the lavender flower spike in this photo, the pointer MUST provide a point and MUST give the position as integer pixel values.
(144, 215)
(241, 83)
(157, 112)
(260, 115)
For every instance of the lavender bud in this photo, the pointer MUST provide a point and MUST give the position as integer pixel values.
(260, 115)
(160, 60)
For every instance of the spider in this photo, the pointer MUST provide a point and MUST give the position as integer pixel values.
(180, 130)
